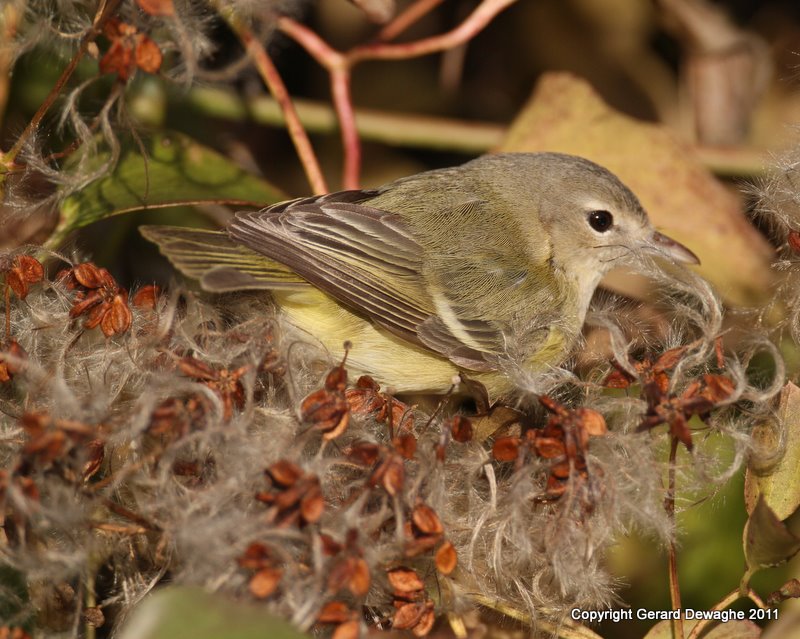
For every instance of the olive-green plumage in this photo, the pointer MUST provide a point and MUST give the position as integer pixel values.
(485, 268)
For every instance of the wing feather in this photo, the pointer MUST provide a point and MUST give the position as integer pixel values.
(370, 260)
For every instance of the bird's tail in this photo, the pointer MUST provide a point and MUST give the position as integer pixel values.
(219, 264)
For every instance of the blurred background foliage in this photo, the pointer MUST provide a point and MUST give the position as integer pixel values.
(718, 78)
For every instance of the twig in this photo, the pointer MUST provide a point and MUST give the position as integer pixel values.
(128, 514)
(90, 602)
(339, 71)
(669, 506)
(9, 18)
(340, 89)
(474, 24)
(408, 17)
(726, 601)
(271, 77)
(339, 65)
(103, 11)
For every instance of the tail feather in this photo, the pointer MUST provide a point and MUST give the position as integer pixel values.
(213, 259)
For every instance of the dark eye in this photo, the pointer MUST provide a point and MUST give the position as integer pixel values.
(601, 221)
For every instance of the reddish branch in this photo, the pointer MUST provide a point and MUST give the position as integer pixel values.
(339, 65)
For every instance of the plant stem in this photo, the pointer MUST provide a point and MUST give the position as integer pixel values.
(408, 17)
(9, 19)
(669, 506)
(340, 89)
(90, 602)
(103, 11)
(339, 71)
(271, 77)
(726, 601)
(475, 23)
(340, 64)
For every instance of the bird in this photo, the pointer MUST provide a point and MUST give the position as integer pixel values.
(465, 272)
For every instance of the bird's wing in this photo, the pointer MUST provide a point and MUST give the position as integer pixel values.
(369, 260)
(220, 265)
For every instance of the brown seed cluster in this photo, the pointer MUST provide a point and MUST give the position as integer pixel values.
(414, 610)
(563, 442)
(366, 399)
(12, 360)
(69, 450)
(293, 496)
(675, 410)
(99, 297)
(261, 558)
(326, 409)
(21, 273)
(128, 51)
(349, 571)
(225, 382)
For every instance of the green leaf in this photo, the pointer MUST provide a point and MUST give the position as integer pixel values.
(180, 612)
(767, 541)
(778, 481)
(169, 169)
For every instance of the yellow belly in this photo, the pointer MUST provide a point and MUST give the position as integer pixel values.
(394, 363)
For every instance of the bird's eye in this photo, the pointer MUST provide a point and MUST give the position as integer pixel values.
(601, 221)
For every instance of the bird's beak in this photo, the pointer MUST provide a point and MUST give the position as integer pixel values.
(664, 246)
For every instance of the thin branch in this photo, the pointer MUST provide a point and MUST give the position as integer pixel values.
(9, 19)
(406, 18)
(340, 88)
(104, 10)
(271, 77)
(726, 601)
(339, 71)
(315, 46)
(339, 65)
(669, 506)
(474, 24)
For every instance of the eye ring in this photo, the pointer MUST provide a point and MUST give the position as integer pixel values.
(600, 221)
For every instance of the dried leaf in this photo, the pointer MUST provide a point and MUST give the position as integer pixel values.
(364, 453)
(767, 541)
(148, 55)
(593, 423)
(117, 317)
(789, 590)
(312, 505)
(549, 447)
